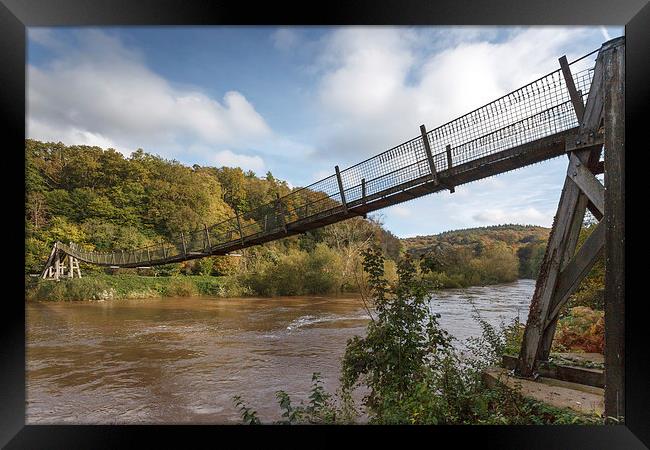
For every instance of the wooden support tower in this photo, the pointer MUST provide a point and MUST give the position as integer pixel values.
(60, 265)
(563, 268)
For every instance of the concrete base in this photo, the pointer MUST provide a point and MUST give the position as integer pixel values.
(560, 394)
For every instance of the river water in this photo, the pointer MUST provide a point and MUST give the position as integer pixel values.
(181, 360)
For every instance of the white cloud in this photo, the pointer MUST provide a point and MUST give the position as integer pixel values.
(498, 216)
(230, 159)
(399, 210)
(378, 84)
(605, 33)
(101, 92)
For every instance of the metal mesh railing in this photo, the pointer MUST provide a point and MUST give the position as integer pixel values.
(539, 109)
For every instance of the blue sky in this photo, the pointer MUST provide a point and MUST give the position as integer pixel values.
(299, 100)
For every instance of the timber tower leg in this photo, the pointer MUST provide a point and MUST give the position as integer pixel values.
(601, 123)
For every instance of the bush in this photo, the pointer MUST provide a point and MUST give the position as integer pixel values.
(71, 290)
(582, 330)
(168, 270)
(296, 273)
(219, 286)
(204, 266)
(181, 287)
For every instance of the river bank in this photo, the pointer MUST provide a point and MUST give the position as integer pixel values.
(126, 286)
(129, 286)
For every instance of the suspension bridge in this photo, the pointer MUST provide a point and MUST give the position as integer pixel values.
(576, 110)
(526, 126)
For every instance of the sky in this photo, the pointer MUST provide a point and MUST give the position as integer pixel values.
(297, 101)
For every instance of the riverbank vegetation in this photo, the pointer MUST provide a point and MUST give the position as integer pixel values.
(480, 256)
(411, 371)
(126, 286)
(104, 201)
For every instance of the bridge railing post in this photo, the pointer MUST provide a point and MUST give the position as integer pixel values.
(341, 190)
(452, 189)
(574, 94)
(427, 149)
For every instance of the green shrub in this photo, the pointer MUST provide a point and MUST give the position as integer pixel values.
(71, 290)
(181, 287)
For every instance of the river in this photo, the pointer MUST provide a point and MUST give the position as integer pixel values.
(181, 360)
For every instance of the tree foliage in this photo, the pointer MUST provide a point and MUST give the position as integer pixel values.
(105, 201)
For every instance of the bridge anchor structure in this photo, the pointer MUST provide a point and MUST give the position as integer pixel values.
(563, 268)
(61, 265)
(574, 111)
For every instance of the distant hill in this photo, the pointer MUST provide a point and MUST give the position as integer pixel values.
(483, 255)
(514, 235)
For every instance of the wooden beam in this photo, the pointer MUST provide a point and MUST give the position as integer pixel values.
(576, 97)
(56, 267)
(563, 235)
(341, 190)
(588, 184)
(594, 108)
(427, 149)
(614, 120)
(48, 265)
(577, 268)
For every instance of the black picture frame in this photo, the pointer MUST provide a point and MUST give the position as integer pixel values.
(16, 15)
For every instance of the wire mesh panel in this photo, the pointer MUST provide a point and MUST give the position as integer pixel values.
(539, 109)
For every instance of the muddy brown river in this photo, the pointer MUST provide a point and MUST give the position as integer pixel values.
(181, 360)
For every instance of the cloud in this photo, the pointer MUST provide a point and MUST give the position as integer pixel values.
(605, 33)
(399, 210)
(378, 84)
(100, 92)
(230, 159)
(285, 39)
(499, 216)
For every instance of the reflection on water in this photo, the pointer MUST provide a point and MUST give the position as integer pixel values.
(180, 360)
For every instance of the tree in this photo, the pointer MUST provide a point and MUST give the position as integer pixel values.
(402, 341)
